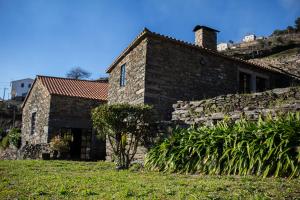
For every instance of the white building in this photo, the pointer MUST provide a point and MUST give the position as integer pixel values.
(20, 88)
(249, 38)
(222, 46)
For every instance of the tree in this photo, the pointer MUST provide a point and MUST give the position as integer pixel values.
(78, 73)
(124, 126)
(277, 32)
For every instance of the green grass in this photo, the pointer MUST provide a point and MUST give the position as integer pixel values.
(32, 179)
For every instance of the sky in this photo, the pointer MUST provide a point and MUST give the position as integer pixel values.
(49, 37)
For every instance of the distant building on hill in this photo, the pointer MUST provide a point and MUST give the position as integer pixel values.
(222, 46)
(249, 38)
(20, 88)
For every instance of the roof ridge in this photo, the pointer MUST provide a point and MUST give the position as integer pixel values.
(65, 78)
(146, 31)
(270, 67)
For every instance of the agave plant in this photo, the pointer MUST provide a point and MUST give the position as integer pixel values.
(268, 147)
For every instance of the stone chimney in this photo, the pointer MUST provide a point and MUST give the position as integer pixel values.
(206, 37)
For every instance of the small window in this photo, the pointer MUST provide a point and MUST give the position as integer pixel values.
(123, 76)
(29, 85)
(261, 84)
(33, 120)
(244, 82)
(22, 85)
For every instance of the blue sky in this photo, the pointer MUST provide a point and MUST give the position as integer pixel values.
(49, 37)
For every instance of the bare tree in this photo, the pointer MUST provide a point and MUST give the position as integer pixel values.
(78, 73)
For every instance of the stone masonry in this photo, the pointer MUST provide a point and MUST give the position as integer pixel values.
(161, 71)
(234, 106)
(38, 102)
(133, 92)
(56, 114)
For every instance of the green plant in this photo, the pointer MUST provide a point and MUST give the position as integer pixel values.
(60, 144)
(5, 142)
(269, 147)
(2, 133)
(124, 126)
(15, 137)
(69, 179)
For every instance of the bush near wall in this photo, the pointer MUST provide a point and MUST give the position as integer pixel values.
(13, 137)
(268, 147)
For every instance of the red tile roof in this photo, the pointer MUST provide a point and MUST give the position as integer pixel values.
(75, 88)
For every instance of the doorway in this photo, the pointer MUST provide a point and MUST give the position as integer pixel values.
(75, 145)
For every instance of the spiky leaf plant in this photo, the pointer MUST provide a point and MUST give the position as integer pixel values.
(268, 147)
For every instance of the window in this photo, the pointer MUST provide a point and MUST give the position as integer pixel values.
(261, 84)
(29, 85)
(123, 76)
(22, 85)
(33, 119)
(244, 82)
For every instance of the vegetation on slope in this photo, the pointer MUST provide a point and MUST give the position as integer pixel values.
(269, 147)
(32, 179)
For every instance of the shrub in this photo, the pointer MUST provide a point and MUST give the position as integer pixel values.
(269, 147)
(2, 133)
(15, 137)
(60, 144)
(4, 143)
(124, 126)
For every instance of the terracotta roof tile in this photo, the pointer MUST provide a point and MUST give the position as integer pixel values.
(75, 88)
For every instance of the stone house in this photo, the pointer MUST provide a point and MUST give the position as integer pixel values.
(159, 70)
(63, 106)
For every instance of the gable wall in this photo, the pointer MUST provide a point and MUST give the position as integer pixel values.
(133, 91)
(38, 101)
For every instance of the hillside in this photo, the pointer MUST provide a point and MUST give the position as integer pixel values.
(288, 60)
(282, 51)
(7, 109)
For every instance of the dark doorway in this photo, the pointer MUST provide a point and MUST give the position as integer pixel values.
(75, 145)
(261, 84)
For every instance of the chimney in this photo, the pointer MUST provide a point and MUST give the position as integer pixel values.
(206, 37)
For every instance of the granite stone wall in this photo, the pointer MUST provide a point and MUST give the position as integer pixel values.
(133, 91)
(75, 113)
(70, 112)
(235, 106)
(178, 72)
(39, 102)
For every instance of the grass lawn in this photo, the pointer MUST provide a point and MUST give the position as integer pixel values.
(25, 179)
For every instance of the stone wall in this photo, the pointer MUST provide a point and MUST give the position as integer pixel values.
(70, 112)
(133, 91)
(75, 113)
(176, 71)
(235, 106)
(39, 102)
